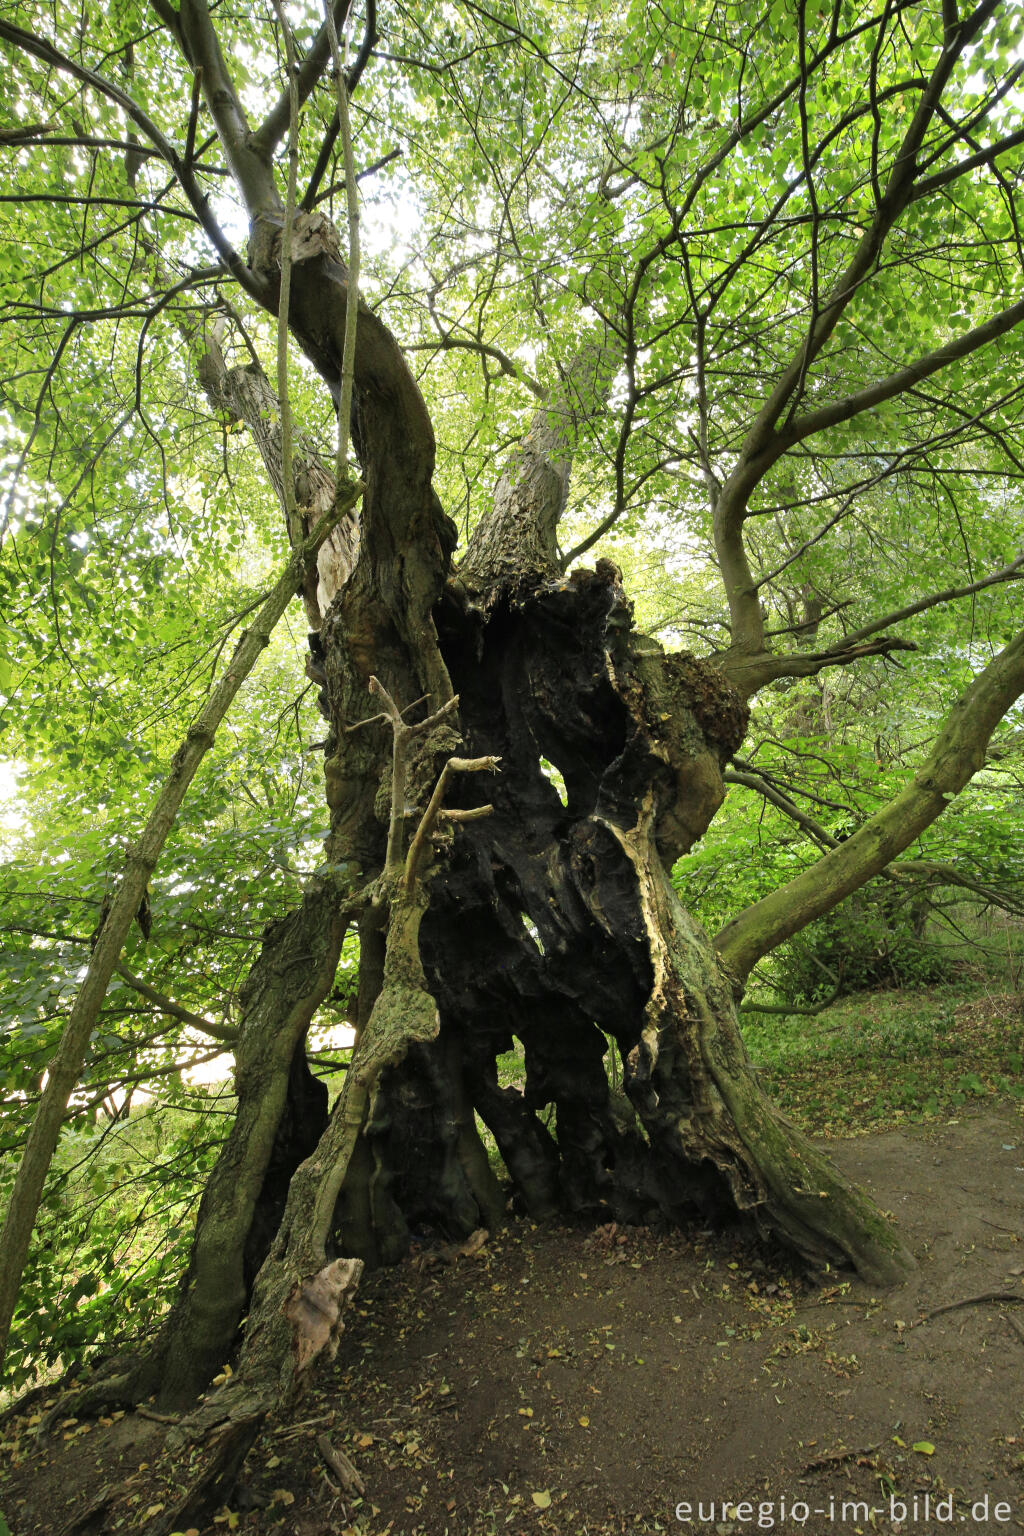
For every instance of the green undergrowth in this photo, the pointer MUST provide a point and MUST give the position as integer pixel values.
(881, 1059)
(875, 1059)
(113, 1233)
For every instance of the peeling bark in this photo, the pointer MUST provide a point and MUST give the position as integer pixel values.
(552, 921)
(296, 1315)
(246, 394)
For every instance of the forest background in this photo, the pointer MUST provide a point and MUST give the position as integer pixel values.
(677, 197)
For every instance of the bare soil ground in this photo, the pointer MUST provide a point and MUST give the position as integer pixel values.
(590, 1383)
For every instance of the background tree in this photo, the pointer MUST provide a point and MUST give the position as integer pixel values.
(755, 277)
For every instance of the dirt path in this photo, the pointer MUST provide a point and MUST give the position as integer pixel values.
(591, 1383)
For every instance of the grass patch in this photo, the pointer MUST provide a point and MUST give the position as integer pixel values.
(879, 1059)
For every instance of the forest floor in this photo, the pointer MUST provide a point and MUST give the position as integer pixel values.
(626, 1381)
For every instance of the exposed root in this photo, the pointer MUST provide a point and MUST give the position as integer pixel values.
(1001, 1297)
(92, 1521)
(105, 1393)
(213, 1474)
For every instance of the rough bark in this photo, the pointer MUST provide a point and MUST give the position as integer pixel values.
(246, 394)
(517, 541)
(300, 1292)
(381, 622)
(66, 1065)
(243, 1199)
(555, 923)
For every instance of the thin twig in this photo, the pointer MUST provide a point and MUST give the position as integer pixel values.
(352, 201)
(835, 1457)
(158, 1418)
(399, 762)
(287, 461)
(340, 1465)
(290, 1431)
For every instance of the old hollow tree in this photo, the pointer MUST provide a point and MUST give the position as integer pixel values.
(756, 267)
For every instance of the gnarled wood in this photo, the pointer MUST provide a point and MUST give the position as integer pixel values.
(555, 924)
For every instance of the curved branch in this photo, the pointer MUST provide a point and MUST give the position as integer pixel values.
(1012, 572)
(938, 873)
(174, 1010)
(957, 755)
(40, 49)
(763, 444)
(897, 383)
(507, 366)
(749, 673)
(767, 791)
(275, 125)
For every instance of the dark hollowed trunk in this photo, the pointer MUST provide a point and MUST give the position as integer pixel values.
(553, 923)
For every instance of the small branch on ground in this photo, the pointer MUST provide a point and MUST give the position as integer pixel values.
(834, 1458)
(340, 1465)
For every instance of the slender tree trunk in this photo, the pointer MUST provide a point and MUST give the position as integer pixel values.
(244, 1196)
(65, 1067)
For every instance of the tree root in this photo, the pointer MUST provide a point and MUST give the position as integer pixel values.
(92, 1521)
(213, 1472)
(113, 1388)
(22, 1404)
(1002, 1297)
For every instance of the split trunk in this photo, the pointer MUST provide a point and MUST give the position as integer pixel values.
(550, 926)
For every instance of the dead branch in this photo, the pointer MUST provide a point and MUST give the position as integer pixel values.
(834, 1458)
(418, 846)
(340, 1465)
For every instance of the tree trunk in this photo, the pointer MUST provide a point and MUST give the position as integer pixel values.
(245, 394)
(554, 923)
(551, 921)
(280, 1116)
(518, 540)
